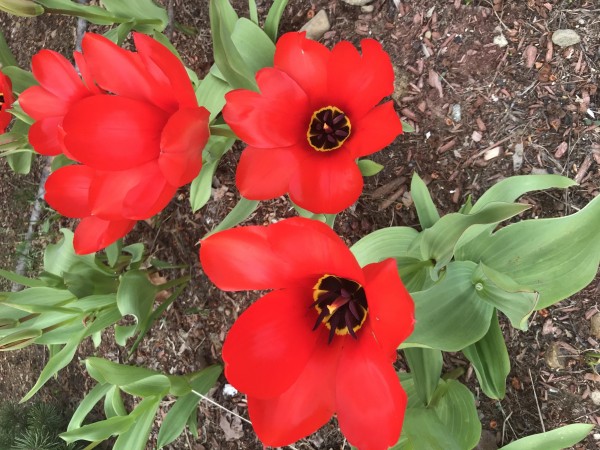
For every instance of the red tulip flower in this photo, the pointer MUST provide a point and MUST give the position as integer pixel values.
(322, 342)
(316, 113)
(6, 101)
(132, 123)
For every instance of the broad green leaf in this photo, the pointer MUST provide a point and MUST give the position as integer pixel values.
(119, 33)
(83, 280)
(20, 79)
(142, 11)
(20, 161)
(42, 296)
(442, 311)
(123, 333)
(59, 257)
(136, 437)
(554, 257)
(19, 339)
(490, 360)
(113, 403)
(369, 168)
(136, 251)
(99, 431)
(426, 367)
(87, 404)
(407, 127)
(253, 11)
(135, 295)
(438, 242)
(557, 439)
(515, 301)
(20, 279)
(113, 251)
(273, 18)
(238, 214)
(93, 14)
(426, 210)
(146, 387)
(211, 94)
(253, 45)
(510, 189)
(392, 242)
(22, 8)
(177, 417)
(56, 363)
(105, 371)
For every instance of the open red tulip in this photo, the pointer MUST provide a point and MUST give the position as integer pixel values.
(6, 100)
(316, 113)
(132, 123)
(322, 342)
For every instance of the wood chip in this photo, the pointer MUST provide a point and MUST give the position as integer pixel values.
(447, 146)
(583, 170)
(561, 150)
(492, 153)
(529, 55)
(434, 82)
(476, 136)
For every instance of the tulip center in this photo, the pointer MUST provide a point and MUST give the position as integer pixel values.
(329, 128)
(1, 99)
(341, 304)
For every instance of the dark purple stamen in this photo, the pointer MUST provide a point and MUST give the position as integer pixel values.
(328, 129)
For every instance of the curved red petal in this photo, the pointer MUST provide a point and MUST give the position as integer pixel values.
(312, 249)
(264, 173)
(369, 395)
(161, 62)
(123, 72)
(86, 74)
(374, 131)
(56, 74)
(93, 234)
(276, 117)
(242, 258)
(326, 182)
(305, 61)
(67, 190)
(391, 308)
(356, 84)
(135, 194)
(306, 406)
(44, 136)
(5, 119)
(40, 103)
(270, 344)
(181, 145)
(108, 132)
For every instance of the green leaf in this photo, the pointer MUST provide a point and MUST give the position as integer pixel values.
(177, 417)
(20, 161)
(59, 258)
(407, 127)
(211, 94)
(99, 431)
(254, 46)
(426, 367)
(113, 403)
(113, 251)
(136, 251)
(20, 279)
(490, 360)
(146, 387)
(22, 8)
(135, 295)
(20, 79)
(105, 371)
(19, 339)
(142, 11)
(369, 168)
(6, 56)
(119, 33)
(273, 18)
(557, 439)
(510, 189)
(426, 210)
(123, 333)
(442, 311)
(253, 11)
(238, 214)
(93, 14)
(136, 437)
(87, 404)
(83, 280)
(56, 363)
(554, 257)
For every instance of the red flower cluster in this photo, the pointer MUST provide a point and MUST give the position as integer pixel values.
(316, 113)
(322, 342)
(6, 101)
(132, 123)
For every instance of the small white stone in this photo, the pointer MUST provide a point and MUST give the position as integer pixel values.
(367, 8)
(357, 2)
(229, 390)
(595, 396)
(500, 41)
(565, 38)
(317, 26)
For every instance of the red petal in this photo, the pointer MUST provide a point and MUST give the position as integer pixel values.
(161, 62)
(306, 406)
(181, 144)
(108, 132)
(86, 74)
(277, 117)
(326, 182)
(40, 103)
(93, 234)
(242, 258)
(357, 84)
(264, 173)
(375, 131)
(123, 72)
(56, 74)
(44, 136)
(67, 190)
(313, 249)
(369, 396)
(305, 61)
(391, 308)
(136, 194)
(5, 119)
(270, 344)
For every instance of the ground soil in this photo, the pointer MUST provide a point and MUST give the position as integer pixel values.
(492, 102)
